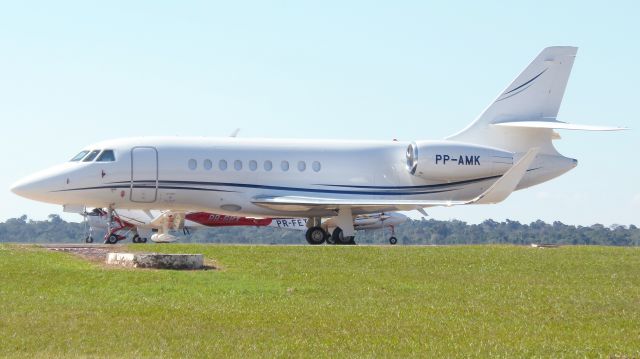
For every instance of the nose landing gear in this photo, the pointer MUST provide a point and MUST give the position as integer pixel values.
(393, 240)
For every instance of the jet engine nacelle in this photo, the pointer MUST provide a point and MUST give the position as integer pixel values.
(456, 161)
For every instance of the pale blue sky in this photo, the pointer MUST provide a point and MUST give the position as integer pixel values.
(72, 73)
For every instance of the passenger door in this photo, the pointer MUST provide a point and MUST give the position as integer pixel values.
(144, 174)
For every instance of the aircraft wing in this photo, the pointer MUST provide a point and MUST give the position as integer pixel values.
(152, 219)
(505, 185)
(498, 192)
(136, 217)
(299, 203)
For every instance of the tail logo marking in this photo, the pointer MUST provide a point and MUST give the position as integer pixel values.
(521, 87)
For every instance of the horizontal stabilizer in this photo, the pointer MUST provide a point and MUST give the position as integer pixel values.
(557, 125)
(505, 185)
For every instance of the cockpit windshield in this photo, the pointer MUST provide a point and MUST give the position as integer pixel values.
(106, 156)
(79, 156)
(97, 155)
(91, 156)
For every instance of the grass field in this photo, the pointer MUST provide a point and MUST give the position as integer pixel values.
(328, 301)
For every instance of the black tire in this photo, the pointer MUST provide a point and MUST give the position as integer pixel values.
(143, 240)
(89, 239)
(339, 238)
(393, 240)
(329, 239)
(135, 239)
(112, 239)
(336, 236)
(315, 235)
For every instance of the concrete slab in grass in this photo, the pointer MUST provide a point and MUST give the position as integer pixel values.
(156, 260)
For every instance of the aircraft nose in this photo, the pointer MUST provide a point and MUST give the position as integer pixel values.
(46, 185)
(32, 187)
(24, 188)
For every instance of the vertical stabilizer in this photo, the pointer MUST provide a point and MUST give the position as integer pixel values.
(535, 95)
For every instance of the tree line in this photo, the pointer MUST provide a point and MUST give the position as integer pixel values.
(431, 231)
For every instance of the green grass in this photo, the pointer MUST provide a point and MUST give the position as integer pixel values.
(328, 301)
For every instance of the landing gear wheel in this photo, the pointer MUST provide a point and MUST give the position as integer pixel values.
(329, 239)
(135, 239)
(142, 240)
(315, 235)
(393, 240)
(89, 239)
(338, 237)
(112, 239)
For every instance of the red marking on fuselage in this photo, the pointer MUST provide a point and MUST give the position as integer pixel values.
(220, 220)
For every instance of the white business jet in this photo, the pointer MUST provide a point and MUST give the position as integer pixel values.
(508, 147)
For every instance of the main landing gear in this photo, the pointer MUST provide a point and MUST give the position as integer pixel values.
(338, 237)
(317, 235)
(115, 225)
(113, 237)
(137, 239)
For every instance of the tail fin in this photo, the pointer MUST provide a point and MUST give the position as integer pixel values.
(535, 95)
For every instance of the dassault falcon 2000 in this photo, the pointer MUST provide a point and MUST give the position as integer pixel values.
(508, 147)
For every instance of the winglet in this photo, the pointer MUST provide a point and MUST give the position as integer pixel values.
(506, 184)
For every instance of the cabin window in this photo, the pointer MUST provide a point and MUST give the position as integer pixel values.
(193, 164)
(207, 164)
(268, 165)
(222, 165)
(284, 165)
(91, 156)
(79, 156)
(316, 166)
(237, 164)
(302, 166)
(106, 156)
(253, 165)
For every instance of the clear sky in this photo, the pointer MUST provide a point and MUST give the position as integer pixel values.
(72, 73)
